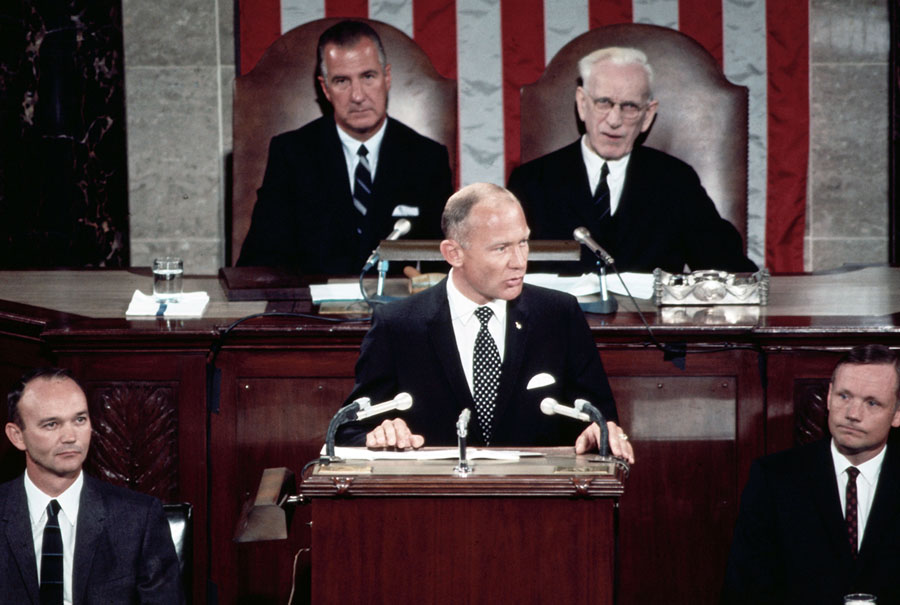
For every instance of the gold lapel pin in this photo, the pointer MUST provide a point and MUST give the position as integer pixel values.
(518, 326)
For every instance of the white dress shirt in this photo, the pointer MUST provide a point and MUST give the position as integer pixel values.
(351, 151)
(593, 163)
(466, 326)
(68, 516)
(866, 482)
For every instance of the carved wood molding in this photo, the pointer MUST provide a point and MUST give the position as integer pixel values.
(135, 435)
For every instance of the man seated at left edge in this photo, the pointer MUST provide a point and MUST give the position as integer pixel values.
(334, 188)
(476, 340)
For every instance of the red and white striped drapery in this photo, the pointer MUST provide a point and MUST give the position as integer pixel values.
(493, 47)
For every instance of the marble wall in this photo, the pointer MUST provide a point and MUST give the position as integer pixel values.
(179, 59)
(847, 209)
(63, 180)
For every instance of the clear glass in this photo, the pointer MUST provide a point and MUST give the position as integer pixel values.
(167, 278)
(859, 598)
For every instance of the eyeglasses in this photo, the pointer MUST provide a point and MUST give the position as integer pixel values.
(629, 110)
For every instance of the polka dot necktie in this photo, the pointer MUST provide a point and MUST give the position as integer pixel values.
(485, 373)
(52, 558)
(851, 516)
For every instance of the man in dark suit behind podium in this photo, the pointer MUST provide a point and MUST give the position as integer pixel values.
(646, 208)
(334, 188)
(822, 521)
(428, 345)
(104, 544)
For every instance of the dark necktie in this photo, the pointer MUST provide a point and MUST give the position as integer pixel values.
(601, 193)
(851, 516)
(362, 188)
(485, 373)
(52, 559)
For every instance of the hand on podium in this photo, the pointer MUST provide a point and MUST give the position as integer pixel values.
(619, 445)
(394, 433)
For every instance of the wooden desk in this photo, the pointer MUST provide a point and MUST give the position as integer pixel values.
(753, 381)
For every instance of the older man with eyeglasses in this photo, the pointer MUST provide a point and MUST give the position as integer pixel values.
(646, 208)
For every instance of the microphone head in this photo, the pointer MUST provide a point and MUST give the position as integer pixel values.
(547, 405)
(581, 235)
(404, 401)
(402, 227)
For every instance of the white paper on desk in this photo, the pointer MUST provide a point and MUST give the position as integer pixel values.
(361, 453)
(326, 292)
(640, 284)
(189, 304)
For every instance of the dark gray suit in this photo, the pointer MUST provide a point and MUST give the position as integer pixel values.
(412, 347)
(123, 548)
(304, 216)
(664, 219)
(790, 542)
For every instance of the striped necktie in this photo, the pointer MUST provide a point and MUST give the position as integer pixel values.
(601, 193)
(362, 188)
(52, 559)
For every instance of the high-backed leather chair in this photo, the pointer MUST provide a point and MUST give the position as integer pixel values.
(281, 93)
(702, 117)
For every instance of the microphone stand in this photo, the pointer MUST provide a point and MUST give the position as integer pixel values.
(462, 468)
(607, 304)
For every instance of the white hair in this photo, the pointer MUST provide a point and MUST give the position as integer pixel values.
(618, 55)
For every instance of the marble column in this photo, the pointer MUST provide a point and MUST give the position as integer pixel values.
(63, 170)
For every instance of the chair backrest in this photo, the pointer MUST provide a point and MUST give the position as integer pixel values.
(281, 93)
(702, 117)
(181, 525)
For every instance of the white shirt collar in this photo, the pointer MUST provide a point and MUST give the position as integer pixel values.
(869, 470)
(373, 146)
(462, 308)
(68, 500)
(593, 163)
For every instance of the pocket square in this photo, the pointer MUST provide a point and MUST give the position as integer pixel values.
(403, 210)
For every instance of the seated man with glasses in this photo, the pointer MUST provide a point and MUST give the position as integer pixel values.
(646, 208)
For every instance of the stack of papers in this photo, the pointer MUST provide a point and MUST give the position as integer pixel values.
(189, 304)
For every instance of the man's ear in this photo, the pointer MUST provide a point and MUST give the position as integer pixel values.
(452, 252)
(14, 433)
(324, 88)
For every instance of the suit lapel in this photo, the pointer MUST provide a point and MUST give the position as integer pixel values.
(578, 195)
(443, 342)
(823, 492)
(17, 531)
(514, 353)
(91, 515)
(885, 507)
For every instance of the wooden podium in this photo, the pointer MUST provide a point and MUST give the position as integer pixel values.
(540, 529)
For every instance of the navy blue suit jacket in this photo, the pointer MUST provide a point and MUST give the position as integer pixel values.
(123, 548)
(790, 541)
(412, 347)
(664, 219)
(304, 216)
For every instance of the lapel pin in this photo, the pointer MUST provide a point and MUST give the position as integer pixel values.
(518, 326)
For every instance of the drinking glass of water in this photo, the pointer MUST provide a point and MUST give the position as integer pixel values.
(168, 272)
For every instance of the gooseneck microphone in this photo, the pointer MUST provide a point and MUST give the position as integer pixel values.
(360, 409)
(401, 228)
(583, 411)
(583, 236)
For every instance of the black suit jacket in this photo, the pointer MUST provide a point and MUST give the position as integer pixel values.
(123, 548)
(411, 347)
(790, 542)
(304, 216)
(664, 219)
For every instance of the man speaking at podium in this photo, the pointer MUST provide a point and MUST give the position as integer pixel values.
(475, 341)
(334, 188)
